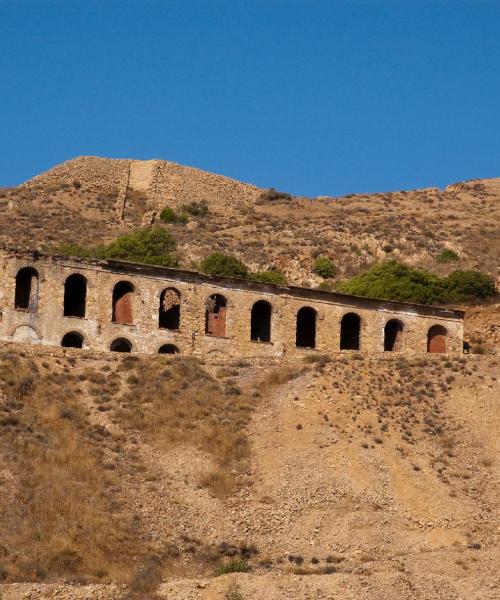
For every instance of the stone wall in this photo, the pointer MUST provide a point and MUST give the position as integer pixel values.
(44, 323)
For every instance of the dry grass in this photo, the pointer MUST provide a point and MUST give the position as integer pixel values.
(62, 519)
(176, 402)
(66, 510)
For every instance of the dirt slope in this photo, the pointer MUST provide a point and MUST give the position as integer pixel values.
(374, 477)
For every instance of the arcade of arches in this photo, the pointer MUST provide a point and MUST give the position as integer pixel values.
(311, 325)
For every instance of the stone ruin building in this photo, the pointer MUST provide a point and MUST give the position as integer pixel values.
(126, 307)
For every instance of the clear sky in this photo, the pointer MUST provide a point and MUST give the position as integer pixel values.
(311, 97)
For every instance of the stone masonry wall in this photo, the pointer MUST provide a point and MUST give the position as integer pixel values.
(47, 325)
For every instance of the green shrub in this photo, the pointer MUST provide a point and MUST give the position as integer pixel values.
(447, 256)
(196, 209)
(273, 276)
(182, 218)
(392, 280)
(324, 267)
(223, 265)
(468, 285)
(233, 566)
(168, 215)
(152, 246)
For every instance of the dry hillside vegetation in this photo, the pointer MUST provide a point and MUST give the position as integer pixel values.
(265, 229)
(359, 474)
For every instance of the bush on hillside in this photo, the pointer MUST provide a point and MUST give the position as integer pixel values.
(395, 281)
(196, 209)
(273, 276)
(324, 267)
(469, 285)
(447, 256)
(392, 280)
(272, 195)
(233, 566)
(168, 215)
(152, 246)
(223, 265)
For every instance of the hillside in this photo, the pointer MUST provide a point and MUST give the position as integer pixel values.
(91, 200)
(386, 488)
(352, 476)
(265, 229)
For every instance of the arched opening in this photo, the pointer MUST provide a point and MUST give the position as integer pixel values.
(393, 336)
(123, 294)
(170, 309)
(26, 294)
(215, 316)
(73, 339)
(75, 296)
(168, 349)
(350, 329)
(121, 345)
(260, 322)
(305, 336)
(436, 339)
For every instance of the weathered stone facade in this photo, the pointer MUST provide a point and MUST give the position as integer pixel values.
(119, 305)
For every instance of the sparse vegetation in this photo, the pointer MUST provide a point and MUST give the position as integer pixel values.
(324, 267)
(234, 593)
(447, 256)
(233, 566)
(196, 209)
(169, 215)
(167, 402)
(70, 524)
(272, 195)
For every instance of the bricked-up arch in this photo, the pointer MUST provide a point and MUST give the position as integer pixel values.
(170, 309)
(350, 332)
(305, 336)
(75, 296)
(168, 349)
(121, 345)
(25, 333)
(436, 339)
(393, 336)
(72, 339)
(26, 294)
(123, 295)
(215, 315)
(260, 321)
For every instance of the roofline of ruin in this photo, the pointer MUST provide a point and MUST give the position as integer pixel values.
(185, 275)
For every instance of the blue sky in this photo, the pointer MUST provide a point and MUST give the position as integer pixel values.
(311, 97)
